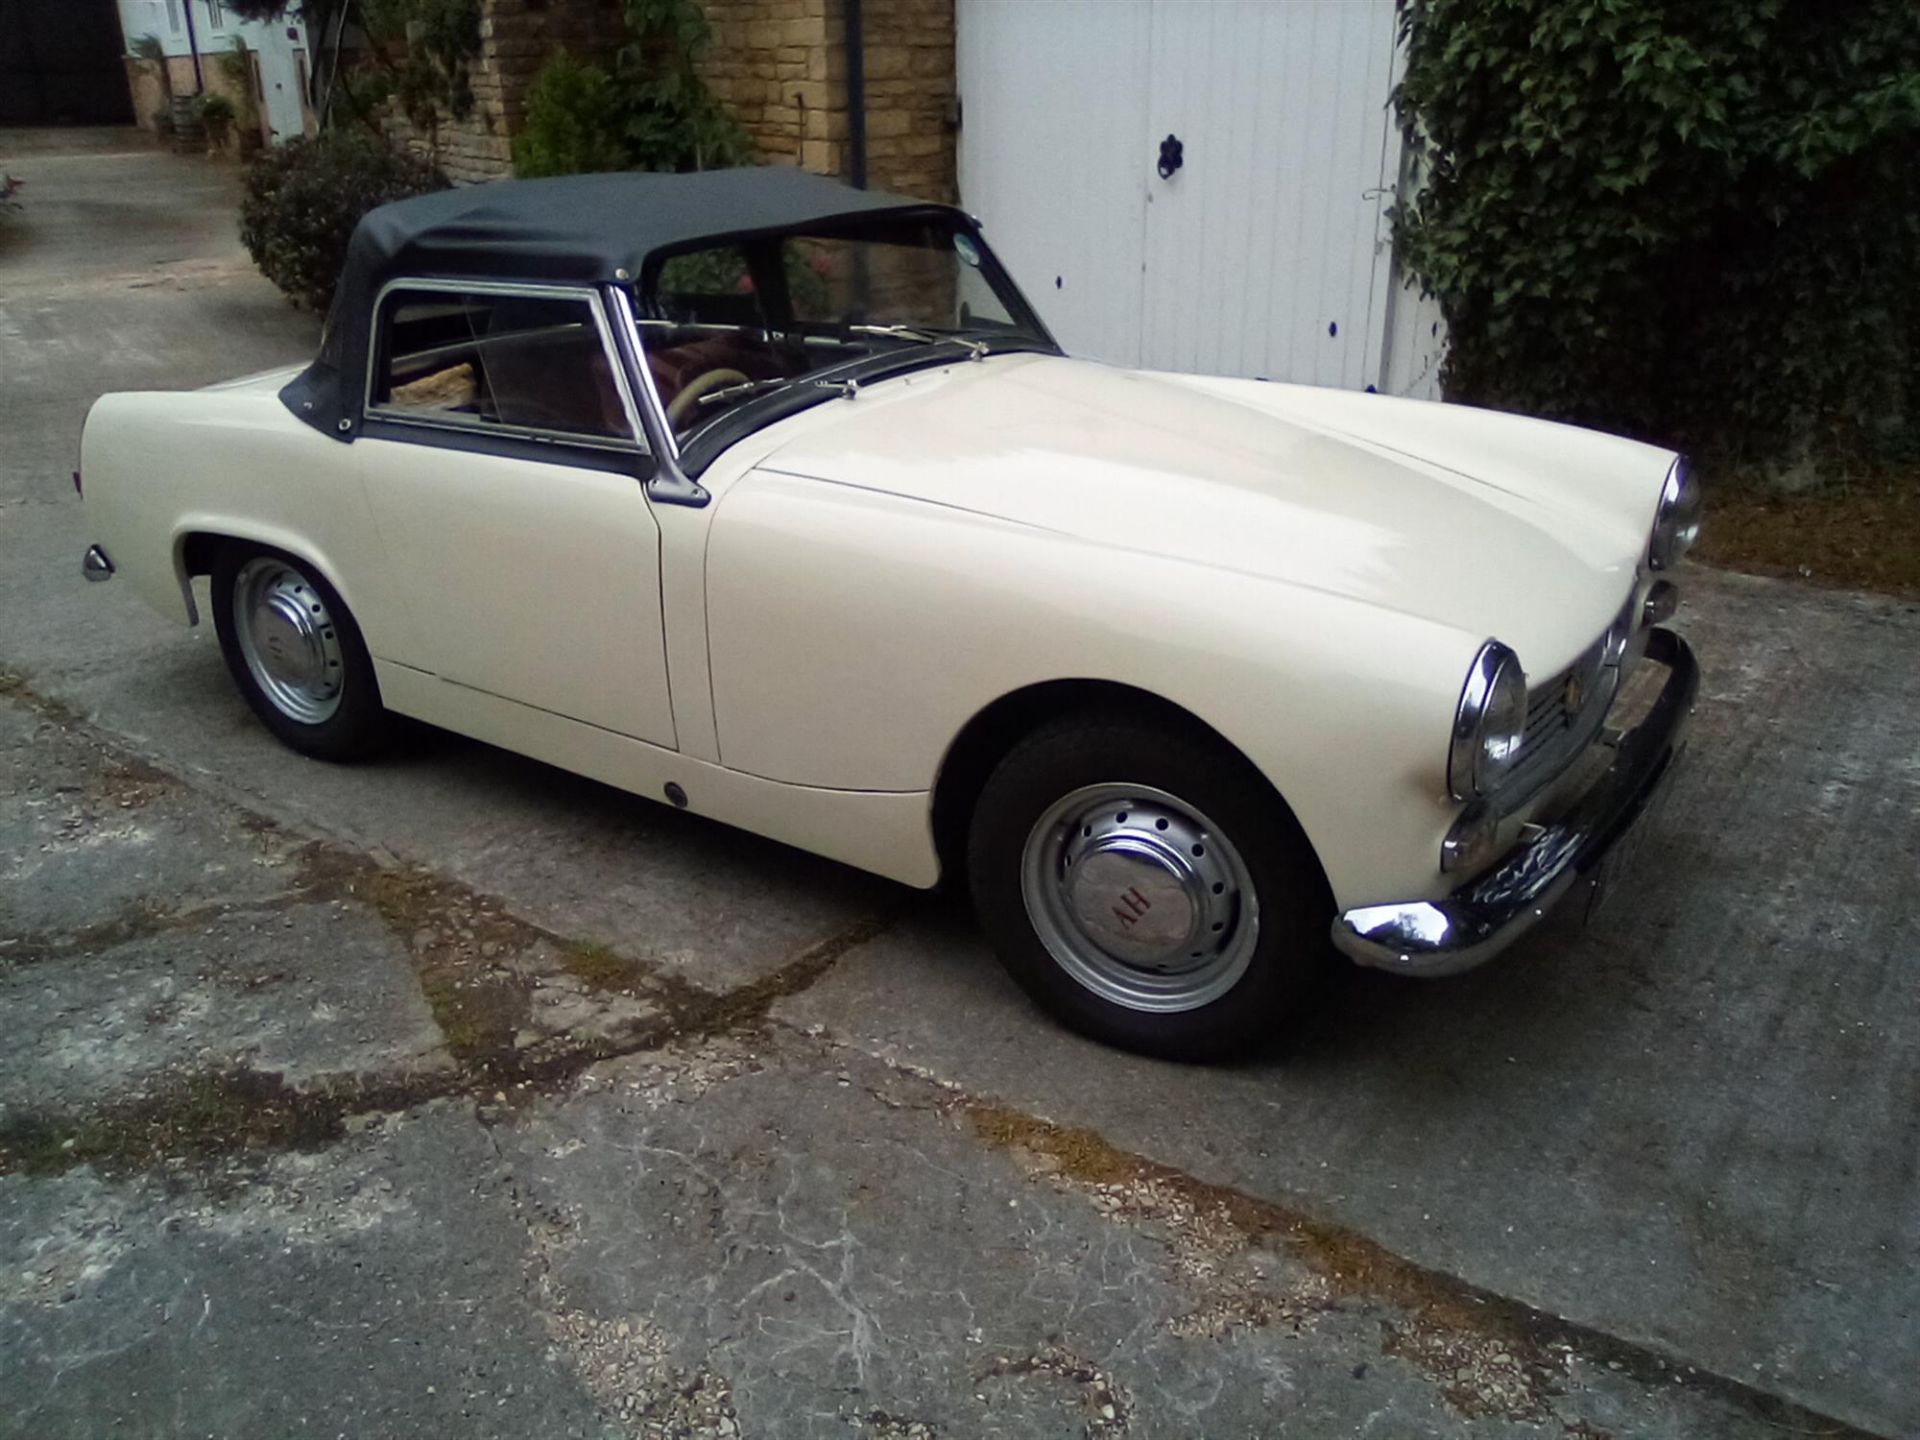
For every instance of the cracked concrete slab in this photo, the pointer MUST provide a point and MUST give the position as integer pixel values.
(311, 992)
(373, 1290)
(837, 1248)
(86, 832)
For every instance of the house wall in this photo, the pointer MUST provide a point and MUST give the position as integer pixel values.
(279, 47)
(780, 65)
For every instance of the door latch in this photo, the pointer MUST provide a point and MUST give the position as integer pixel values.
(1172, 156)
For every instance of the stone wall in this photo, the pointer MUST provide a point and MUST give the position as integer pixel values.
(912, 99)
(780, 65)
(516, 36)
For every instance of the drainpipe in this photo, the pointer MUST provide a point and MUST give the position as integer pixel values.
(856, 97)
(193, 48)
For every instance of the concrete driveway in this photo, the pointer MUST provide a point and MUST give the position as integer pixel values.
(455, 1095)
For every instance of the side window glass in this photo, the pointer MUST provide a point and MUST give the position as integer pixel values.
(517, 362)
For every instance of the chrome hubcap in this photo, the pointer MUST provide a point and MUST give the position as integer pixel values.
(1139, 897)
(288, 640)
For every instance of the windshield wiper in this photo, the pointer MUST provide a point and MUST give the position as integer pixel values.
(847, 388)
(976, 349)
(745, 387)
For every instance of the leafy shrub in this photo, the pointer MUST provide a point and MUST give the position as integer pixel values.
(576, 123)
(437, 41)
(215, 110)
(675, 121)
(302, 200)
(1694, 223)
(651, 111)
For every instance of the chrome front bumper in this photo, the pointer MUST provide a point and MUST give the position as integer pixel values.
(1488, 913)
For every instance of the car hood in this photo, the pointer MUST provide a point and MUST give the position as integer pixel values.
(1493, 524)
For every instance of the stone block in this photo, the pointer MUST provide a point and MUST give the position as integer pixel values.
(826, 124)
(885, 62)
(816, 94)
(891, 121)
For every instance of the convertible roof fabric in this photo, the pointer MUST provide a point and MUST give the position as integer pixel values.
(571, 229)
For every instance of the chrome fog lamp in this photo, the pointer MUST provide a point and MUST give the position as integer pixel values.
(1676, 524)
(1490, 724)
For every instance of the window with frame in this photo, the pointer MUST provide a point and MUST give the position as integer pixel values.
(504, 362)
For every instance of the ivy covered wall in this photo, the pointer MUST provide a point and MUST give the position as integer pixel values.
(1696, 223)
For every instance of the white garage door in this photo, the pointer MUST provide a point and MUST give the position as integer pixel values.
(1265, 250)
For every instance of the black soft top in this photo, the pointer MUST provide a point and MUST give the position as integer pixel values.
(571, 229)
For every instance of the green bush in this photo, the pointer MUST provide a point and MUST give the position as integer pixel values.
(302, 200)
(651, 111)
(215, 110)
(674, 120)
(576, 123)
(1694, 223)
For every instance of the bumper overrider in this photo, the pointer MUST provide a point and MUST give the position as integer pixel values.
(1489, 912)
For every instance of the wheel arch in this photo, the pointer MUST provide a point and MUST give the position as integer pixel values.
(985, 740)
(197, 544)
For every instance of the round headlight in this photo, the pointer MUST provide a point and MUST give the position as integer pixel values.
(1677, 522)
(1490, 724)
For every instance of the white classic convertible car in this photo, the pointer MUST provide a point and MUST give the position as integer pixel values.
(774, 500)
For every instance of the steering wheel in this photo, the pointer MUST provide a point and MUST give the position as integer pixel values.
(704, 383)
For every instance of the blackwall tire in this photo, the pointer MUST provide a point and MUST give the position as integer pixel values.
(1146, 886)
(296, 654)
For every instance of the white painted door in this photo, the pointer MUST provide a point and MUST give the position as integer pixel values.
(1267, 252)
(1052, 137)
(280, 88)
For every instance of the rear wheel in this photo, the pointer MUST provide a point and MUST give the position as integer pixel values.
(1144, 884)
(296, 654)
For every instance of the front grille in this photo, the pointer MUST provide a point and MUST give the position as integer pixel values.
(1546, 719)
(1556, 732)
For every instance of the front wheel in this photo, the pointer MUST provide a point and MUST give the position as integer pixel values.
(1144, 884)
(296, 654)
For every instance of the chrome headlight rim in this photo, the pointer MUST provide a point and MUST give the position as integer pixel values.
(1676, 523)
(1479, 758)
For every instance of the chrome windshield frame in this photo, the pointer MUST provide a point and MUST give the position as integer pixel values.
(669, 484)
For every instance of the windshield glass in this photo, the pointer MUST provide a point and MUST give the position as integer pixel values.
(775, 319)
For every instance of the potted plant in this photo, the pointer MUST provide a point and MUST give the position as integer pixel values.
(216, 113)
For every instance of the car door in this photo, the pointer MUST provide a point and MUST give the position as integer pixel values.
(504, 471)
